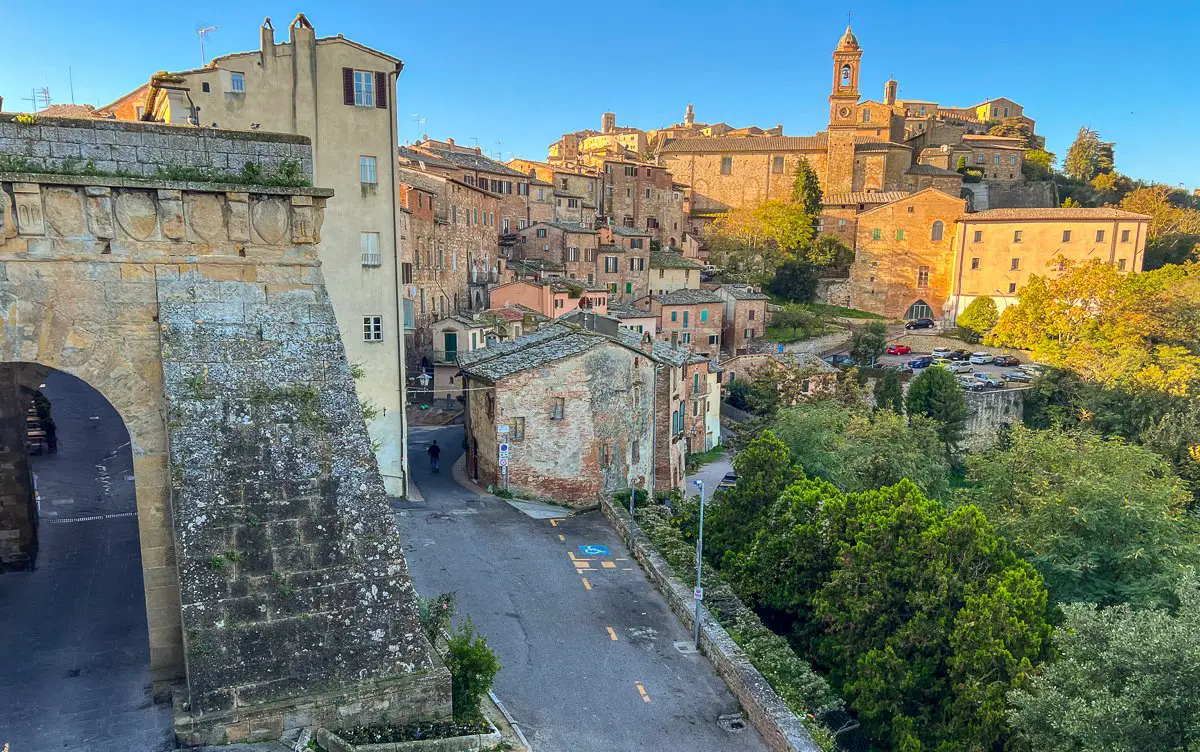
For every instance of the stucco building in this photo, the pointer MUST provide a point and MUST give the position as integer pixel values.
(996, 251)
(552, 296)
(690, 319)
(345, 87)
(671, 271)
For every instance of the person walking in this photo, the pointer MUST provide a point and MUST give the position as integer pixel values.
(435, 452)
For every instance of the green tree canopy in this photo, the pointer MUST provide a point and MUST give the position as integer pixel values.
(980, 316)
(1088, 156)
(795, 281)
(1102, 520)
(889, 395)
(935, 394)
(764, 469)
(1014, 127)
(858, 450)
(1038, 165)
(806, 189)
(1124, 681)
(868, 342)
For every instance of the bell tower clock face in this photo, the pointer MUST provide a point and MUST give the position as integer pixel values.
(843, 112)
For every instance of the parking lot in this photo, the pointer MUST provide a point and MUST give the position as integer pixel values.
(979, 374)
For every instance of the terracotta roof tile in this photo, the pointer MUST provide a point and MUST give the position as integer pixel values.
(1002, 215)
(722, 144)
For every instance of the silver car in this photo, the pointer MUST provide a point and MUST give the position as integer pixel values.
(981, 358)
(989, 380)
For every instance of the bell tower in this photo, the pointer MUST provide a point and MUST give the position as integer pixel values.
(843, 109)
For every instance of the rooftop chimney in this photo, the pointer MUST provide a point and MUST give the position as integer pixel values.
(450, 141)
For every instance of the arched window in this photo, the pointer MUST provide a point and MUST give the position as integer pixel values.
(919, 310)
(936, 232)
(845, 75)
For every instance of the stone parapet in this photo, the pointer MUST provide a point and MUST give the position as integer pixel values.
(148, 149)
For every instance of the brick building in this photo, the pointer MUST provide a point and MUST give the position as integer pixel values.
(470, 166)
(690, 319)
(552, 296)
(569, 246)
(627, 250)
(904, 258)
(743, 316)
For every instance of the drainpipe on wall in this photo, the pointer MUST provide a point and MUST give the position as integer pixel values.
(403, 372)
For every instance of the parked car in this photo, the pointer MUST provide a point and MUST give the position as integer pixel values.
(919, 324)
(989, 380)
(941, 352)
(968, 383)
(728, 482)
(960, 355)
(1006, 361)
(841, 359)
(923, 361)
(898, 349)
(981, 358)
(1023, 377)
(1033, 369)
(957, 366)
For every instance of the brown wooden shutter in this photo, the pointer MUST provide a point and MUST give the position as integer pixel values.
(348, 86)
(381, 90)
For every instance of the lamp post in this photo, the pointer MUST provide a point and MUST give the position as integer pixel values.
(698, 593)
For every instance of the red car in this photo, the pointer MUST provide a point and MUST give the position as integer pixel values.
(898, 349)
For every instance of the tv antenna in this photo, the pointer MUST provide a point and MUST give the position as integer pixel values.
(418, 121)
(38, 95)
(202, 32)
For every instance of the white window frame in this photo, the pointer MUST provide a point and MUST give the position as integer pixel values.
(368, 173)
(237, 82)
(368, 246)
(372, 328)
(364, 88)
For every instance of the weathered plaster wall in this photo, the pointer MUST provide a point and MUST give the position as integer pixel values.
(990, 414)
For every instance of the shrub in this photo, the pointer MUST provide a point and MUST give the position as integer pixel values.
(473, 667)
(435, 613)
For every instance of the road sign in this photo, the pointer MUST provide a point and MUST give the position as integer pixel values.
(594, 550)
(503, 462)
(502, 429)
(698, 593)
(504, 449)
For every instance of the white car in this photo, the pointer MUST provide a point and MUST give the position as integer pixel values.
(957, 366)
(941, 352)
(981, 358)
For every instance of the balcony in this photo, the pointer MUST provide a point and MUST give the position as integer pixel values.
(445, 357)
(509, 238)
(484, 278)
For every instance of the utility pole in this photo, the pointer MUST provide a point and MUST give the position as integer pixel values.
(698, 593)
(71, 78)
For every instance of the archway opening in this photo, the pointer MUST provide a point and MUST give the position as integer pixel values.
(75, 658)
(919, 310)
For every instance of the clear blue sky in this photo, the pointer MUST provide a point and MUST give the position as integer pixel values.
(523, 72)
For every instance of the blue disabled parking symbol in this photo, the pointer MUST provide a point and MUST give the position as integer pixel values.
(594, 550)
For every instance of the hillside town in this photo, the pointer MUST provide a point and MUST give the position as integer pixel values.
(914, 350)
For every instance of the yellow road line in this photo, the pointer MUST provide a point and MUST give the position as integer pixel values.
(611, 633)
(562, 537)
(554, 522)
(642, 691)
(586, 585)
(608, 564)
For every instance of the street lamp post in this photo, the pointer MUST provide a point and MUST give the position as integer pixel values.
(698, 593)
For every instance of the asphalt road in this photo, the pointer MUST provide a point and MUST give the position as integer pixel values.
(74, 650)
(585, 643)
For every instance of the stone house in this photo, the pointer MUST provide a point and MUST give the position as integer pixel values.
(552, 296)
(671, 271)
(462, 333)
(690, 319)
(903, 260)
(568, 245)
(470, 166)
(743, 316)
(622, 263)
(346, 87)
(583, 413)
(577, 180)
(995, 251)
(644, 196)
(999, 158)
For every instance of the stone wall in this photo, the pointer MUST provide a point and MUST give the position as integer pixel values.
(990, 414)
(834, 292)
(780, 728)
(274, 575)
(1039, 194)
(143, 149)
(18, 510)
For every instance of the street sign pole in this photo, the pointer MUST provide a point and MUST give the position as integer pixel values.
(698, 593)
